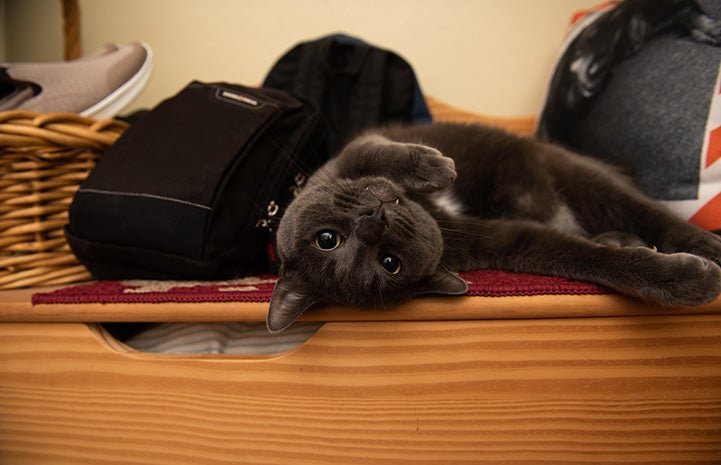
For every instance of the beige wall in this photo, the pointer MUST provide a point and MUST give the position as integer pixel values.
(489, 56)
(2, 30)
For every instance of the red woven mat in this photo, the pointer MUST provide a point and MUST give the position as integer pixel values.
(487, 283)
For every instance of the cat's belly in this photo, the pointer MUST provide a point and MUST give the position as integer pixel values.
(562, 220)
(565, 221)
(448, 203)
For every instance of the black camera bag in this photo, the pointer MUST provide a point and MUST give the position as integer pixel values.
(193, 188)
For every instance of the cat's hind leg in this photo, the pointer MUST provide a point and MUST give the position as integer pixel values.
(603, 201)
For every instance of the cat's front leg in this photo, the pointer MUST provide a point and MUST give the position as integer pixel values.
(416, 167)
(667, 278)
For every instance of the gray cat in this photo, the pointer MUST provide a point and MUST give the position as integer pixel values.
(402, 209)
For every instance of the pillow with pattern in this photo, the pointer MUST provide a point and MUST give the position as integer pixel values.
(637, 84)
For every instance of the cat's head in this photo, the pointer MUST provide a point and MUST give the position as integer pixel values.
(359, 242)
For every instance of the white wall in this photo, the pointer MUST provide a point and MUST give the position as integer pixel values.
(489, 56)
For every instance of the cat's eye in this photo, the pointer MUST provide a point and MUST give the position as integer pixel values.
(327, 240)
(391, 264)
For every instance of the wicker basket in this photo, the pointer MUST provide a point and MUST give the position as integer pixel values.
(43, 160)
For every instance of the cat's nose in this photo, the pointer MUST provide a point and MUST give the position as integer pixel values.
(370, 228)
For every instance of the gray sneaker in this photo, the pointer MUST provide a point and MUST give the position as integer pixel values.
(99, 85)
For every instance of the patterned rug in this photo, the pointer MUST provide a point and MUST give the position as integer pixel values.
(486, 283)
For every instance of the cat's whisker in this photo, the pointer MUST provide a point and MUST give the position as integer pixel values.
(256, 205)
(382, 303)
(301, 165)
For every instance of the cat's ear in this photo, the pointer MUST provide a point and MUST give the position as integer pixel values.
(443, 282)
(287, 303)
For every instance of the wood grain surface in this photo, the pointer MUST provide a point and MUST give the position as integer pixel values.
(441, 111)
(635, 390)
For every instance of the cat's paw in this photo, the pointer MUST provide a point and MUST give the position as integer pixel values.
(619, 239)
(705, 244)
(427, 169)
(683, 279)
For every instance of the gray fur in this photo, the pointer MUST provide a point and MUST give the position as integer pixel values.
(527, 207)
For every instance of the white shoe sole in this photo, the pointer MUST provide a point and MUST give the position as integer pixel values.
(121, 97)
